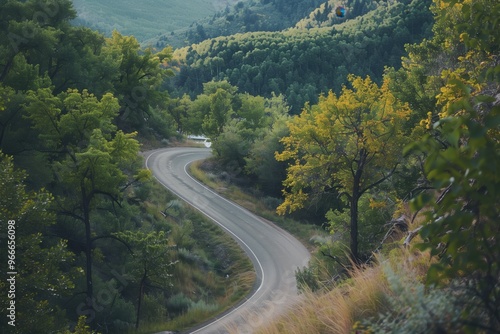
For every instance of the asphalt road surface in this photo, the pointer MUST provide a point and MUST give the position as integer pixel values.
(274, 253)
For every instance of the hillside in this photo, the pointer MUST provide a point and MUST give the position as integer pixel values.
(264, 15)
(309, 120)
(325, 15)
(250, 16)
(301, 63)
(180, 23)
(144, 19)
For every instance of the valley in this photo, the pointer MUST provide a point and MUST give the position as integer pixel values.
(371, 136)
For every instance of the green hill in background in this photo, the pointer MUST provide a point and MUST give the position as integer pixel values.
(145, 19)
(302, 63)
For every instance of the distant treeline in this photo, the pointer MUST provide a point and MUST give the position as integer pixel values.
(301, 63)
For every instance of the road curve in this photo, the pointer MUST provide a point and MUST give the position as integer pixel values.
(275, 254)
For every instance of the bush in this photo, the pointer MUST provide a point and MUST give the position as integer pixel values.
(272, 202)
(307, 279)
(178, 304)
(153, 308)
(413, 309)
(201, 305)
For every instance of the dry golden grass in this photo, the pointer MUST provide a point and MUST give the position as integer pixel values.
(362, 296)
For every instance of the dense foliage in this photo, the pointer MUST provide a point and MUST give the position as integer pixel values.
(301, 63)
(452, 84)
(324, 117)
(462, 156)
(94, 236)
(347, 145)
(253, 15)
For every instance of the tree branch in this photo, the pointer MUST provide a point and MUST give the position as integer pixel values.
(71, 214)
(373, 185)
(333, 258)
(112, 237)
(411, 235)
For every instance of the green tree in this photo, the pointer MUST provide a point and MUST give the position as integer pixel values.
(252, 118)
(462, 155)
(252, 111)
(43, 263)
(32, 30)
(92, 160)
(232, 146)
(220, 111)
(179, 110)
(260, 161)
(348, 144)
(140, 75)
(210, 111)
(150, 266)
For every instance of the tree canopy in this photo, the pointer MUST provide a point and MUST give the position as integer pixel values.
(348, 144)
(302, 63)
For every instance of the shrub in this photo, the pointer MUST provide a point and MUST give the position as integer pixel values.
(413, 309)
(306, 279)
(201, 305)
(178, 304)
(153, 308)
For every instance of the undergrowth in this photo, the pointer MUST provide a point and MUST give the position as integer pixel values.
(387, 295)
(264, 206)
(211, 272)
(353, 306)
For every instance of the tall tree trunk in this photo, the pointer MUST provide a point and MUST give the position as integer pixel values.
(88, 258)
(356, 194)
(88, 250)
(139, 302)
(353, 245)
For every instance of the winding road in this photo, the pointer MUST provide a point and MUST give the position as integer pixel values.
(275, 254)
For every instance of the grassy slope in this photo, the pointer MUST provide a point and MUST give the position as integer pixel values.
(144, 19)
(201, 273)
(339, 309)
(254, 203)
(370, 291)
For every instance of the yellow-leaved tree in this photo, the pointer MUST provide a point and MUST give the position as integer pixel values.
(350, 144)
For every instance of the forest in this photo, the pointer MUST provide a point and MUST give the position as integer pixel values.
(387, 118)
(97, 242)
(302, 63)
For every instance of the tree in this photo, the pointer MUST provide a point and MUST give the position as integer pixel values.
(140, 74)
(348, 144)
(212, 109)
(260, 161)
(252, 111)
(32, 30)
(150, 266)
(462, 155)
(42, 262)
(220, 111)
(92, 161)
(178, 109)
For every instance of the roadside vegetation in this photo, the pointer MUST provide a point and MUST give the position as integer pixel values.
(184, 268)
(404, 174)
(375, 139)
(211, 272)
(254, 201)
